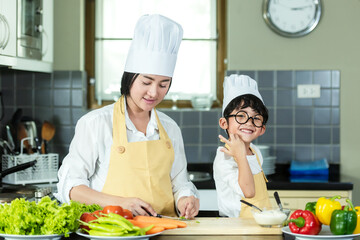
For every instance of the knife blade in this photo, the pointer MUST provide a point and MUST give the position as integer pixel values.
(174, 218)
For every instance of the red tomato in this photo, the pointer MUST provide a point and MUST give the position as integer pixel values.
(127, 214)
(87, 217)
(113, 209)
(97, 213)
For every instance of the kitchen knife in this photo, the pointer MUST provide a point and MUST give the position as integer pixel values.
(174, 218)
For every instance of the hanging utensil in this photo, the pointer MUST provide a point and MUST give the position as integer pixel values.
(21, 134)
(10, 138)
(277, 198)
(47, 133)
(251, 205)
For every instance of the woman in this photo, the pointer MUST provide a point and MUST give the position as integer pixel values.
(127, 153)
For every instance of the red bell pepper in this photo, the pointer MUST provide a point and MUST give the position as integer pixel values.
(304, 222)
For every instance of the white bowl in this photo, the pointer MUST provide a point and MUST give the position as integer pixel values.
(271, 217)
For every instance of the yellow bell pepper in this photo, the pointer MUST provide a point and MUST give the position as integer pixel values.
(357, 229)
(325, 207)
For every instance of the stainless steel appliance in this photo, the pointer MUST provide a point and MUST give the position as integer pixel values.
(30, 28)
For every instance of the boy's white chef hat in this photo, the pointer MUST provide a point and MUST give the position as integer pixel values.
(154, 46)
(236, 85)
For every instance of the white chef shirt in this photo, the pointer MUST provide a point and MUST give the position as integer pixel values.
(226, 174)
(88, 159)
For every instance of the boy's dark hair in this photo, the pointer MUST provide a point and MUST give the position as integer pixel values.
(127, 81)
(247, 100)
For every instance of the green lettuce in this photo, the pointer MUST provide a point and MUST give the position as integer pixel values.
(22, 217)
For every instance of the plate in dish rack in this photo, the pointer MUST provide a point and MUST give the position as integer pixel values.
(325, 233)
(144, 237)
(31, 237)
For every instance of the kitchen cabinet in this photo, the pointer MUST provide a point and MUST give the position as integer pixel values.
(48, 33)
(296, 199)
(8, 28)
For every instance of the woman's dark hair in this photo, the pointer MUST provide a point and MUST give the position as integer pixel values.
(247, 100)
(127, 81)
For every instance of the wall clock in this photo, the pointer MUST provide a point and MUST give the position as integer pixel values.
(292, 18)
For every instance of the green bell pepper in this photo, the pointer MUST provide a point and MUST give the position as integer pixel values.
(311, 206)
(343, 221)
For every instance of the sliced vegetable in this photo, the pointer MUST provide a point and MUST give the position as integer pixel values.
(154, 229)
(162, 222)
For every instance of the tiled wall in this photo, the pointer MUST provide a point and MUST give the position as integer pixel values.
(303, 129)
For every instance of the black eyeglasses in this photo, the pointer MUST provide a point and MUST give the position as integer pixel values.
(241, 117)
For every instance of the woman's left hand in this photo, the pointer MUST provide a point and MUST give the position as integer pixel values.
(188, 206)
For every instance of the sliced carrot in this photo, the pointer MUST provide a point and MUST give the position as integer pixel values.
(156, 221)
(154, 229)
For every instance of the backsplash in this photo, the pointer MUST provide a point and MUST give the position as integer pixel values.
(303, 129)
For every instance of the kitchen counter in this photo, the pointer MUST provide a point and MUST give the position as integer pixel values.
(215, 228)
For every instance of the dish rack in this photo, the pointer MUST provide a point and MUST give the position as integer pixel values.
(44, 170)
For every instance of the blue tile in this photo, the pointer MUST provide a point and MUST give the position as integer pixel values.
(77, 79)
(303, 77)
(322, 116)
(192, 154)
(285, 98)
(24, 79)
(284, 79)
(207, 154)
(24, 97)
(191, 135)
(303, 116)
(335, 97)
(303, 135)
(44, 113)
(209, 135)
(335, 154)
(321, 151)
(43, 97)
(7, 79)
(303, 153)
(335, 79)
(265, 79)
(175, 115)
(61, 97)
(62, 79)
(64, 134)
(230, 72)
(42, 80)
(336, 135)
(8, 97)
(77, 97)
(284, 135)
(248, 73)
(271, 120)
(322, 135)
(191, 118)
(210, 118)
(323, 78)
(325, 98)
(335, 116)
(284, 116)
(267, 137)
(268, 97)
(305, 102)
(77, 113)
(284, 154)
(62, 116)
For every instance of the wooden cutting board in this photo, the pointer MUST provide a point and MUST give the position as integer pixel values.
(223, 226)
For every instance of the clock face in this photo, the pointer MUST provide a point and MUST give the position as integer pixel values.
(292, 18)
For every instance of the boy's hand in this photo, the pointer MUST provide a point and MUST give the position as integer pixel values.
(234, 146)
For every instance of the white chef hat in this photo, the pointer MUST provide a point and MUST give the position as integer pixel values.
(236, 85)
(154, 46)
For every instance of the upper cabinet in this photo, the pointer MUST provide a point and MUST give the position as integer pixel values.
(26, 34)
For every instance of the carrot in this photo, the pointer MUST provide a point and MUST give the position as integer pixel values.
(156, 221)
(154, 229)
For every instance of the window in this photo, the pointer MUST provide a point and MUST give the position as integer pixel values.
(197, 71)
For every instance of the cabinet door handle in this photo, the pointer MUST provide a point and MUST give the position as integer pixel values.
(7, 35)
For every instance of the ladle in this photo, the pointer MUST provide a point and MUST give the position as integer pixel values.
(47, 133)
(251, 205)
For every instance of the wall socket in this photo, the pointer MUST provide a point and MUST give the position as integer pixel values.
(308, 91)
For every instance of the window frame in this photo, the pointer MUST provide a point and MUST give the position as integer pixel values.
(90, 58)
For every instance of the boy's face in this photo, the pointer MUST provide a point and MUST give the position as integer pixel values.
(248, 132)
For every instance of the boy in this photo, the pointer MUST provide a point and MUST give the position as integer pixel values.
(237, 166)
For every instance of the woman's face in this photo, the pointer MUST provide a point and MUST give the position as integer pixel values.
(148, 90)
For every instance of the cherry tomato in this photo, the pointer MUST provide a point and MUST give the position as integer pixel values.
(97, 213)
(127, 214)
(113, 209)
(87, 217)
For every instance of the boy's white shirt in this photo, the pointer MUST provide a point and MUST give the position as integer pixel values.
(228, 190)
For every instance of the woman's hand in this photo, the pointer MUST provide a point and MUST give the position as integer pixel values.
(137, 206)
(188, 206)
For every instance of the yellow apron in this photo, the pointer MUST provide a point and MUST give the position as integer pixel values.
(261, 198)
(140, 169)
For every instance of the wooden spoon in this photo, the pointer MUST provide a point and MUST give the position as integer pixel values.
(47, 133)
(21, 134)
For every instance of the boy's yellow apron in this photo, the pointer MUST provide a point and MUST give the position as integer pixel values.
(140, 169)
(261, 198)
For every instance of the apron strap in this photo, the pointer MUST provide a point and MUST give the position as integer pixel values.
(258, 160)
